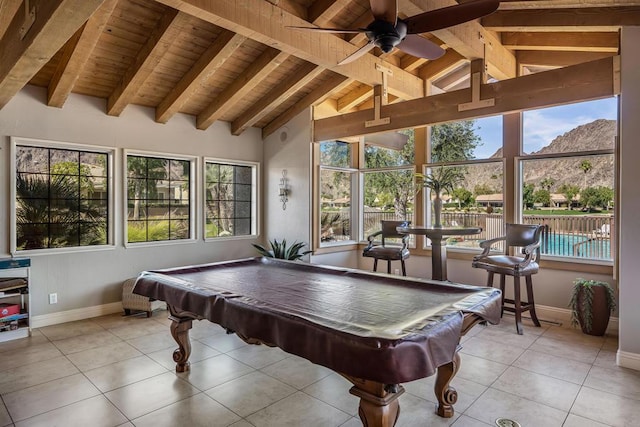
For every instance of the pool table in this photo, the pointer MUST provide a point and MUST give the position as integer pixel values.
(376, 330)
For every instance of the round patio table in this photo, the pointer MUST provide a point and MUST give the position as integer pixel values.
(439, 244)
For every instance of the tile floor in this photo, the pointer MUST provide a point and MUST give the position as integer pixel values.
(118, 371)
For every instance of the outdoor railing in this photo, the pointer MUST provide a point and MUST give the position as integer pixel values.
(579, 236)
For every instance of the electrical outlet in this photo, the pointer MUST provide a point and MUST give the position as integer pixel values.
(53, 298)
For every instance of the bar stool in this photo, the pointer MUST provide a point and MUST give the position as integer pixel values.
(526, 237)
(388, 251)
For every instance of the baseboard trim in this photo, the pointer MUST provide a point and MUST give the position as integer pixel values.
(562, 316)
(628, 360)
(75, 314)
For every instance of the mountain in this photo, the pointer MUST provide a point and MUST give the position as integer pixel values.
(597, 135)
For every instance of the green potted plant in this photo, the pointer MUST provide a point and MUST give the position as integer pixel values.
(592, 302)
(440, 179)
(281, 251)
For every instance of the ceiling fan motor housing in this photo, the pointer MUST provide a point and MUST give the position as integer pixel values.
(385, 35)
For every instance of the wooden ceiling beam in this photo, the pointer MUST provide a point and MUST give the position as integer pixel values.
(335, 83)
(8, 9)
(250, 78)
(591, 80)
(275, 97)
(551, 4)
(353, 98)
(558, 59)
(55, 22)
(76, 53)
(267, 24)
(149, 56)
(435, 69)
(320, 12)
(453, 79)
(575, 19)
(552, 41)
(222, 49)
(470, 40)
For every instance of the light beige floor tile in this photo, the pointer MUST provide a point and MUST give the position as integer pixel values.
(508, 324)
(610, 343)
(86, 342)
(70, 329)
(606, 359)
(35, 339)
(143, 397)
(214, 371)
(574, 336)
(575, 351)
(553, 366)
(103, 356)
(5, 419)
(138, 329)
(250, 393)
(95, 412)
(606, 408)
(258, 356)
(468, 391)
(510, 338)
(199, 352)
(576, 421)
(35, 373)
(351, 422)
(123, 373)
(54, 394)
(494, 404)
(299, 409)
(195, 411)
(334, 390)
(153, 342)
(539, 388)
(620, 381)
(297, 372)
(416, 412)
(464, 421)
(480, 370)
(205, 329)
(30, 354)
(118, 319)
(490, 350)
(223, 342)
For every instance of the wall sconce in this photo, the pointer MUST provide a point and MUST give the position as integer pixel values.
(284, 189)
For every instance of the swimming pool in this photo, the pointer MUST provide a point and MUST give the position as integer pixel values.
(576, 245)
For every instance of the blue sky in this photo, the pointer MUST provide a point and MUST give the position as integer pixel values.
(542, 126)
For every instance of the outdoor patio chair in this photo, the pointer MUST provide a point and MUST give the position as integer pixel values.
(525, 264)
(385, 250)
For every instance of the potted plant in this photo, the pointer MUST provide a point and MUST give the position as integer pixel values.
(591, 304)
(281, 251)
(440, 179)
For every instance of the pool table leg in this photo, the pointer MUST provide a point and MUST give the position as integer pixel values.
(447, 395)
(379, 405)
(180, 332)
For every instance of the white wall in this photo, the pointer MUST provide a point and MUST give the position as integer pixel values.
(93, 278)
(629, 205)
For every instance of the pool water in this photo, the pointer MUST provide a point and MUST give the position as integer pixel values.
(581, 246)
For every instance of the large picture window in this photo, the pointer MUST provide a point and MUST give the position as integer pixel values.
(230, 199)
(62, 196)
(159, 198)
(337, 177)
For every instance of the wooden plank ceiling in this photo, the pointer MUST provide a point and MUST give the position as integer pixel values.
(235, 60)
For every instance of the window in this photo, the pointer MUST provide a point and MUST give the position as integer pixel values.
(337, 177)
(62, 196)
(159, 198)
(230, 199)
(567, 178)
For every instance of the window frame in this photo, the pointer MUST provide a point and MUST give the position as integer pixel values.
(62, 145)
(193, 184)
(255, 195)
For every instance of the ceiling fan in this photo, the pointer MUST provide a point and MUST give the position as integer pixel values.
(388, 31)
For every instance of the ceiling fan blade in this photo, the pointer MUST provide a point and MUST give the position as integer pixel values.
(330, 30)
(420, 47)
(450, 16)
(385, 10)
(357, 54)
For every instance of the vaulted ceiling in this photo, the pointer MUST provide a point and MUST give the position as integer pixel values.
(236, 60)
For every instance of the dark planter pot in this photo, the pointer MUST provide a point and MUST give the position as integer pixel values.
(600, 310)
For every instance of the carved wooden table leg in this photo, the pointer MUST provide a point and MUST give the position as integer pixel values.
(180, 332)
(379, 405)
(447, 395)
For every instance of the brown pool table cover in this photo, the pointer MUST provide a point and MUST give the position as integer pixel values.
(371, 326)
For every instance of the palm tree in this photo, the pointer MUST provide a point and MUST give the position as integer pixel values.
(585, 166)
